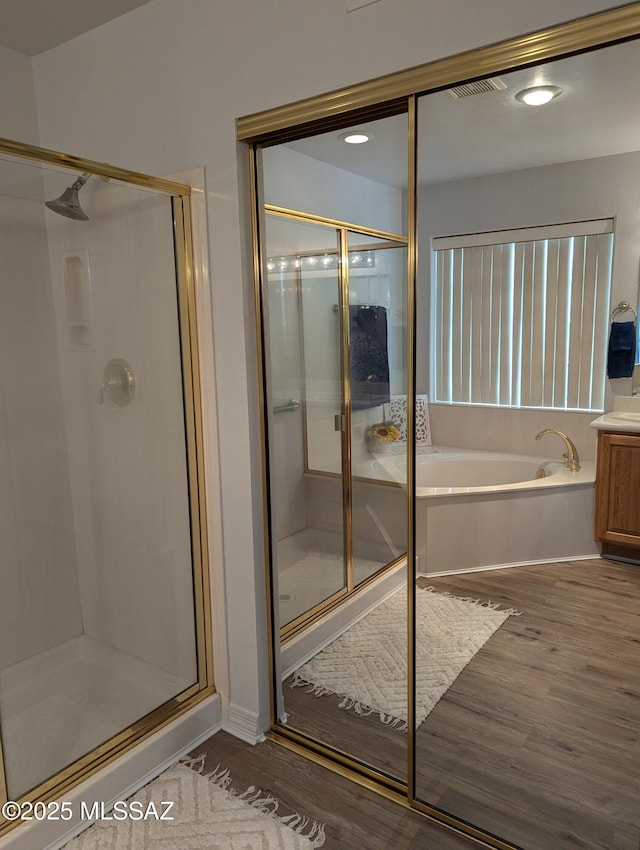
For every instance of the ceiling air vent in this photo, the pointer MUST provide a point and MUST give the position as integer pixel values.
(477, 87)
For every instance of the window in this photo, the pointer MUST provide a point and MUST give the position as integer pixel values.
(520, 317)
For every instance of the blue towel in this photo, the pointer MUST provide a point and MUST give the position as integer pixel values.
(621, 356)
(369, 357)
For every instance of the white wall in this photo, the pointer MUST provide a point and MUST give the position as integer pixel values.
(39, 598)
(158, 90)
(299, 182)
(18, 113)
(39, 603)
(607, 187)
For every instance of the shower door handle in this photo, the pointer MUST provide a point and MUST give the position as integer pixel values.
(292, 404)
(339, 422)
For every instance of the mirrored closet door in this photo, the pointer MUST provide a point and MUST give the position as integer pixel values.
(335, 314)
(519, 723)
(522, 261)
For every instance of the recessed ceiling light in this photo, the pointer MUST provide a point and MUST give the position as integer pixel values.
(356, 137)
(538, 95)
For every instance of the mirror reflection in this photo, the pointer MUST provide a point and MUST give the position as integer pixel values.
(528, 240)
(336, 316)
(529, 236)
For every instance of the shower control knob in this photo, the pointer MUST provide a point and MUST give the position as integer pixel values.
(118, 382)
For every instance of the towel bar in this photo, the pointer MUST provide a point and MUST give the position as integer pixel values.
(292, 404)
(624, 307)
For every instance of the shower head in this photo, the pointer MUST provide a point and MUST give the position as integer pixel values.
(68, 204)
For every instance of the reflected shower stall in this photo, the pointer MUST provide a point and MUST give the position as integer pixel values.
(103, 635)
(336, 315)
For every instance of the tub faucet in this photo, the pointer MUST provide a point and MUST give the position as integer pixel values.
(571, 459)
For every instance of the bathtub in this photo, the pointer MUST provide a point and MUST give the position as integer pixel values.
(486, 510)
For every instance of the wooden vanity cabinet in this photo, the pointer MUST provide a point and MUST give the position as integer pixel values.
(617, 513)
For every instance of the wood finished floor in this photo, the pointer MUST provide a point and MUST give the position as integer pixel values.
(537, 740)
(354, 817)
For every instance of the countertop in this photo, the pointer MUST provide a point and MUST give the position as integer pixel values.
(624, 417)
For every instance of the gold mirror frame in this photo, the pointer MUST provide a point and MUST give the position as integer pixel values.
(374, 99)
(316, 114)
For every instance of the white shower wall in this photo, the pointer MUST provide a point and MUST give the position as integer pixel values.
(127, 463)
(40, 598)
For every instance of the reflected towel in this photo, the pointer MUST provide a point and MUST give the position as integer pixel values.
(621, 356)
(369, 356)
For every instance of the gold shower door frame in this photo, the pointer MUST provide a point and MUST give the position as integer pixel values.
(391, 240)
(337, 110)
(127, 739)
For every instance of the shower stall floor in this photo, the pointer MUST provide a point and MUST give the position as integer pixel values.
(311, 568)
(64, 702)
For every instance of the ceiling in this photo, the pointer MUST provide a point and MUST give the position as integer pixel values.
(597, 114)
(33, 26)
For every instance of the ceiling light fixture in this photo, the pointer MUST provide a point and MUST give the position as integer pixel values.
(538, 95)
(356, 137)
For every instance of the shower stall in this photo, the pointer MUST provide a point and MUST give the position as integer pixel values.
(104, 632)
(335, 318)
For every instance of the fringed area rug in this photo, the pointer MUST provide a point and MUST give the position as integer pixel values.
(367, 665)
(207, 816)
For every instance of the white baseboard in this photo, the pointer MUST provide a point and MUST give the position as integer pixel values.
(515, 564)
(122, 778)
(243, 724)
(308, 643)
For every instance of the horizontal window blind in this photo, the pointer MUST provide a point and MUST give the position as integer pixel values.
(521, 321)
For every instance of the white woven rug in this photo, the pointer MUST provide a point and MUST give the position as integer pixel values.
(207, 816)
(367, 664)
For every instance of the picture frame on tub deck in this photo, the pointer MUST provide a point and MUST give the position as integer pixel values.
(396, 412)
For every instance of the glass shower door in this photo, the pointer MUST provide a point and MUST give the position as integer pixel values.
(377, 272)
(98, 595)
(336, 369)
(306, 441)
